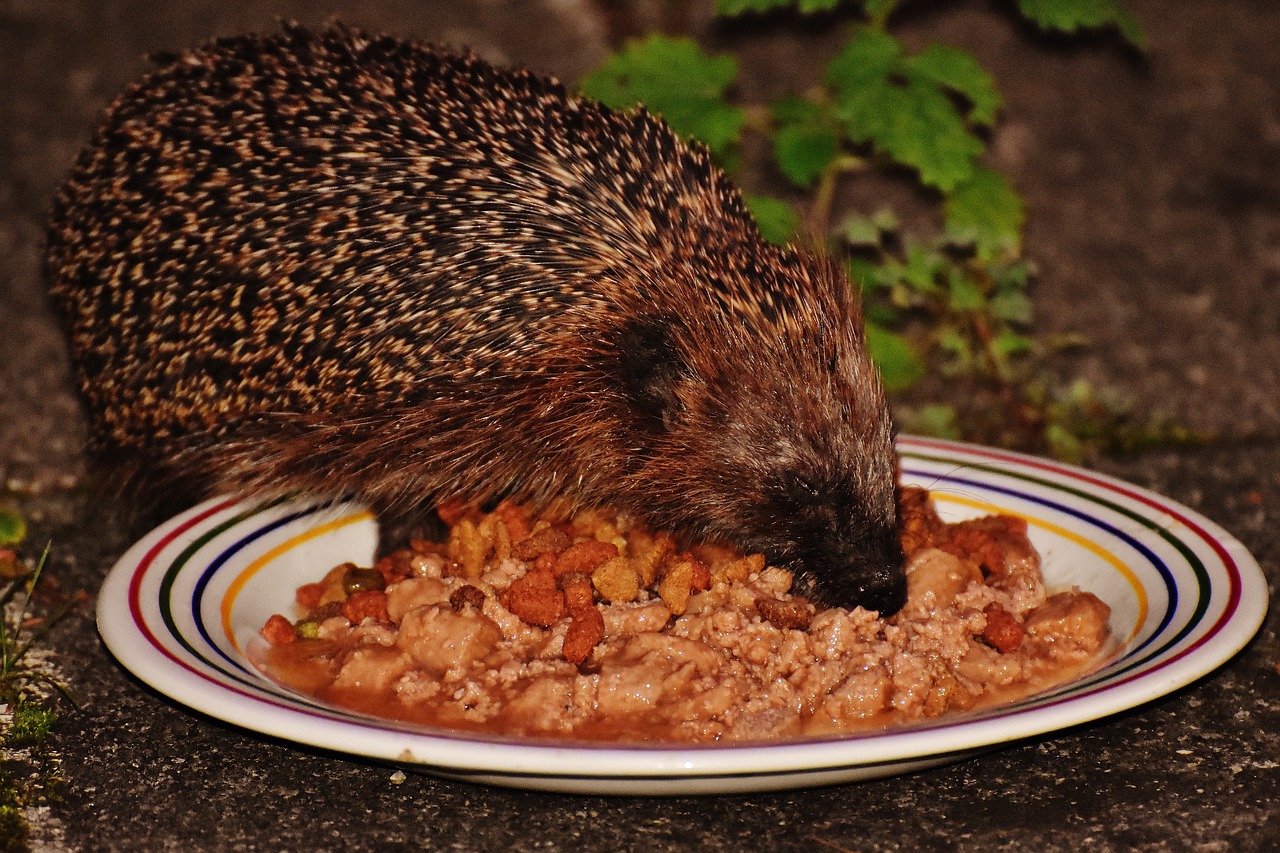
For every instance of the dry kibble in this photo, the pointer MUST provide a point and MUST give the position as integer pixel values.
(1003, 631)
(468, 548)
(919, 524)
(516, 517)
(493, 530)
(366, 604)
(585, 556)
(535, 598)
(279, 631)
(647, 564)
(466, 596)
(585, 632)
(616, 580)
(453, 511)
(675, 587)
(984, 540)
(794, 613)
(544, 540)
(742, 568)
(578, 593)
(701, 577)
(309, 595)
(426, 547)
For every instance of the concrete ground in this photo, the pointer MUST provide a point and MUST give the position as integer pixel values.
(1155, 222)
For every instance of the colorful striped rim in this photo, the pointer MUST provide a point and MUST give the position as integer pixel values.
(185, 585)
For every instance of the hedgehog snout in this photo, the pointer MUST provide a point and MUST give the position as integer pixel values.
(868, 571)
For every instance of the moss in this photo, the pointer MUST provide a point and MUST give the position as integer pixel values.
(14, 829)
(32, 724)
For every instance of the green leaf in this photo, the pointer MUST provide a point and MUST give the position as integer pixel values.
(1071, 15)
(881, 315)
(12, 528)
(986, 212)
(1012, 306)
(1013, 276)
(866, 274)
(900, 366)
(936, 419)
(885, 219)
(674, 78)
(957, 347)
(1063, 444)
(859, 230)
(902, 112)
(880, 10)
(810, 7)
(804, 152)
(1010, 343)
(869, 57)
(965, 295)
(777, 219)
(957, 70)
(738, 7)
(921, 268)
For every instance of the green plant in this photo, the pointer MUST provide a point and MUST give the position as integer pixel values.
(950, 304)
(18, 670)
(25, 681)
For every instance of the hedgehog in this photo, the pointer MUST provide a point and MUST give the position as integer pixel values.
(332, 262)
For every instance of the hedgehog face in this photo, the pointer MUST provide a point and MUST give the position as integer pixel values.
(792, 458)
(819, 498)
(824, 522)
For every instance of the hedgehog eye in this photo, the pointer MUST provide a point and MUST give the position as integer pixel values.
(800, 489)
(650, 367)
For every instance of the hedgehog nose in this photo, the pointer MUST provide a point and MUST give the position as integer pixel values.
(886, 592)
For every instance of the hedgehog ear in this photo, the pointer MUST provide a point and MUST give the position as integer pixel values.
(650, 368)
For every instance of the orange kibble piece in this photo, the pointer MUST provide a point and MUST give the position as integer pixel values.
(395, 566)
(585, 632)
(542, 541)
(515, 517)
(279, 631)
(535, 599)
(700, 580)
(366, 604)
(309, 594)
(1003, 631)
(585, 556)
(578, 594)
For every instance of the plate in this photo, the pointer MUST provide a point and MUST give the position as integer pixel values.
(181, 606)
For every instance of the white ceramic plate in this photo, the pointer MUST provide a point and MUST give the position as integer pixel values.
(181, 607)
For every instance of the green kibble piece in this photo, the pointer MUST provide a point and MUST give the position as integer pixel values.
(362, 580)
(308, 629)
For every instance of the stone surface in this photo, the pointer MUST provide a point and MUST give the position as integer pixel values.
(1155, 221)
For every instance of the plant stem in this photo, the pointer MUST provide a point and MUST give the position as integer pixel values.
(1027, 422)
(824, 196)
